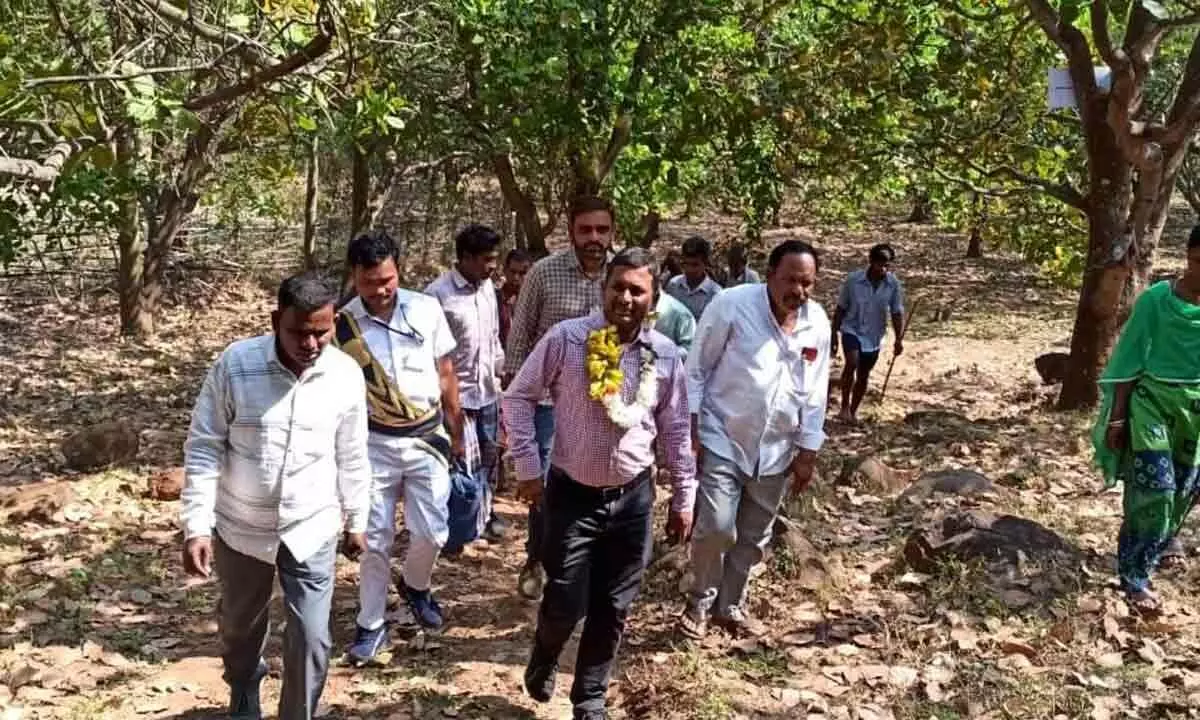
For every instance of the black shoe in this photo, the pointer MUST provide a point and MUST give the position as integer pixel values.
(539, 680)
(496, 528)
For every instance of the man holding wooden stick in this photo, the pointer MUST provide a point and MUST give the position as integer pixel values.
(866, 299)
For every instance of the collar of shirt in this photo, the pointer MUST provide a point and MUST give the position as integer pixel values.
(708, 286)
(358, 308)
(596, 320)
(271, 351)
(578, 266)
(860, 276)
(461, 282)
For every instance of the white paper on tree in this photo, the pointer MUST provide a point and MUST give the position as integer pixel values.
(1062, 90)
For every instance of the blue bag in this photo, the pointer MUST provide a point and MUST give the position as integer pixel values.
(466, 501)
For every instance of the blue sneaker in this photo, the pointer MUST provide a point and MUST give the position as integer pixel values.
(367, 644)
(425, 609)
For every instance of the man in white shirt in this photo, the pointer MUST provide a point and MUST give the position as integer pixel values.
(403, 344)
(740, 273)
(275, 465)
(469, 300)
(758, 377)
(694, 288)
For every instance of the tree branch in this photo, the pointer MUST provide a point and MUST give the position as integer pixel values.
(251, 51)
(110, 77)
(1063, 191)
(48, 169)
(1102, 38)
(623, 126)
(316, 47)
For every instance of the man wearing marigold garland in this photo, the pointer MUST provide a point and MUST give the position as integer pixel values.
(758, 378)
(617, 385)
(565, 285)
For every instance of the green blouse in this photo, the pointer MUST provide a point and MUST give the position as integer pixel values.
(1161, 340)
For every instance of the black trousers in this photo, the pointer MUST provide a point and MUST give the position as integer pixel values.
(597, 545)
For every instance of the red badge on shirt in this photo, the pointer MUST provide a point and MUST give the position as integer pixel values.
(810, 354)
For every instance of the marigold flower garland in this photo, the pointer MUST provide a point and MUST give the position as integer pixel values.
(605, 378)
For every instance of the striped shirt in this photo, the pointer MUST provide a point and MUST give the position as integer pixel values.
(474, 318)
(588, 446)
(271, 458)
(555, 289)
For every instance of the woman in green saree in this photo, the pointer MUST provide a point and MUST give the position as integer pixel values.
(1149, 424)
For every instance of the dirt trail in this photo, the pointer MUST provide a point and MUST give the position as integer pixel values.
(97, 621)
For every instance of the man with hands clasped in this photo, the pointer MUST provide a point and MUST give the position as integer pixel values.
(758, 378)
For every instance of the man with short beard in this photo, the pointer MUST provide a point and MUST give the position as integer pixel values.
(275, 465)
(617, 386)
(758, 377)
(565, 285)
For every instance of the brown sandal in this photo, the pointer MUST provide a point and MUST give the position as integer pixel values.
(1143, 602)
(692, 625)
(1174, 557)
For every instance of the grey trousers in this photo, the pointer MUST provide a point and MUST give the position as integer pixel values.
(242, 614)
(734, 515)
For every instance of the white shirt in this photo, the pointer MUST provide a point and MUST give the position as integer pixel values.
(474, 318)
(409, 345)
(758, 398)
(696, 298)
(271, 458)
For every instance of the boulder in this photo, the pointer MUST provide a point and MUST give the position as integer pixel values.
(871, 475)
(967, 536)
(39, 502)
(166, 486)
(963, 483)
(1052, 367)
(102, 445)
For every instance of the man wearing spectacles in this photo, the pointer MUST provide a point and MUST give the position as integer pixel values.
(403, 344)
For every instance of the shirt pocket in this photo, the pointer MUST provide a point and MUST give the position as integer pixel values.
(312, 441)
(260, 441)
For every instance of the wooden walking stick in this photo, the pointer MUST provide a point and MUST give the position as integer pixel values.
(912, 310)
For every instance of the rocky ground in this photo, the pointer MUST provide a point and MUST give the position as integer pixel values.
(954, 561)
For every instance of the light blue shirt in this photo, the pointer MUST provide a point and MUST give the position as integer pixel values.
(759, 391)
(865, 307)
(676, 322)
(696, 299)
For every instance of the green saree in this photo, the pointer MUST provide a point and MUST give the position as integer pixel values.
(1158, 351)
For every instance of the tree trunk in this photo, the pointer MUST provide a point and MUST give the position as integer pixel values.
(129, 239)
(922, 209)
(176, 200)
(975, 243)
(360, 193)
(1097, 316)
(310, 205)
(650, 229)
(978, 216)
(1109, 266)
(527, 218)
